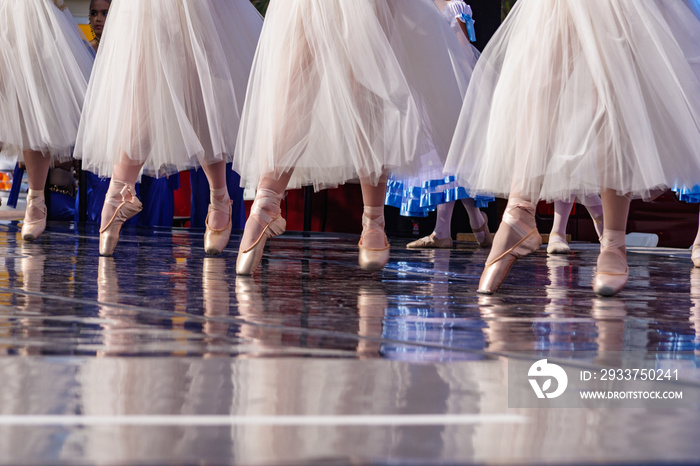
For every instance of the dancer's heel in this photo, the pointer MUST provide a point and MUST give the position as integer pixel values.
(497, 269)
(127, 208)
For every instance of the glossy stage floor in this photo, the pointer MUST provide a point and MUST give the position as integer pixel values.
(161, 355)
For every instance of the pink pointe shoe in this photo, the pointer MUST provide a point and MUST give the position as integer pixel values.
(373, 259)
(497, 269)
(249, 258)
(32, 229)
(609, 283)
(127, 208)
(215, 240)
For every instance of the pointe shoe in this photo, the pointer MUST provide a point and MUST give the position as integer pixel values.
(610, 283)
(488, 240)
(496, 270)
(31, 230)
(695, 257)
(248, 259)
(372, 259)
(109, 235)
(557, 244)
(215, 240)
(432, 242)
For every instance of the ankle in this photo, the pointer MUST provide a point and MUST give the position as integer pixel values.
(373, 218)
(613, 239)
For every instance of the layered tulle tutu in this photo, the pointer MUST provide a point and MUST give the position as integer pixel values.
(169, 84)
(45, 64)
(342, 90)
(572, 97)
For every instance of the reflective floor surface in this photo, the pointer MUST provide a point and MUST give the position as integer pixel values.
(161, 355)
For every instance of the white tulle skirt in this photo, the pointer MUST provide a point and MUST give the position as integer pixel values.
(169, 84)
(342, 90)
(572, 97)
(45, 64)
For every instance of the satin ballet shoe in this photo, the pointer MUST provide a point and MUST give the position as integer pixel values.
(431, 242)
(495, 271)
(695, 256)
(215, 240)
(488, 240)
(109, 235)
(248, 259)
(31, 230)
(557, 244)
(372, 259)
(610, 283)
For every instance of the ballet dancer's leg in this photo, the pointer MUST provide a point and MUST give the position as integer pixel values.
(612, 272)
(218, 222)
(479, 223)
(594, 206)
(374, 247)
(120, 205)
(517, 236)
(696, 248)
(441, 237)
(557, 237)
(35, 217)
(265, 222)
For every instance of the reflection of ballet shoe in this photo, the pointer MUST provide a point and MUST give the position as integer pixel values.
(215, 240)
(497, 269)
(610, 309)
(107, 284)
(610, 282)
(695, 257)
(487, 240)
(372, 303)
(557, 244)
(32, 229)
(127, 208)
(431, 242)
(215, 291)
(373, 259)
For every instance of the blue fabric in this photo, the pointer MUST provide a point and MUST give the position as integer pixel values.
(690, 195)
(200, 198)
(158, 198)
(419, 201)
(62, 207)
(16, 186)
(469, 22)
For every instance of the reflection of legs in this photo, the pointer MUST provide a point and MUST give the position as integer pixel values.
(120, 205)
(517, 236)
(612, 272)
(374, 247)
(265, 222)
(37, 172)
(218, 220)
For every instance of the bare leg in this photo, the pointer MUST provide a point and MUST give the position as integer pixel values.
(557, 237)
(594, 205)
(478, 221)
(37, 171)
(611, 275)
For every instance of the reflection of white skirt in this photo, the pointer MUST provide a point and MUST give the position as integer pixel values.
(575, 96)
(348, 89)
(45, 65)
(169, 84)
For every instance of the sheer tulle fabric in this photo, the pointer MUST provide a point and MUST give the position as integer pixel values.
(575, 96)
(45, 65)
(169, 84)
(342, 90)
